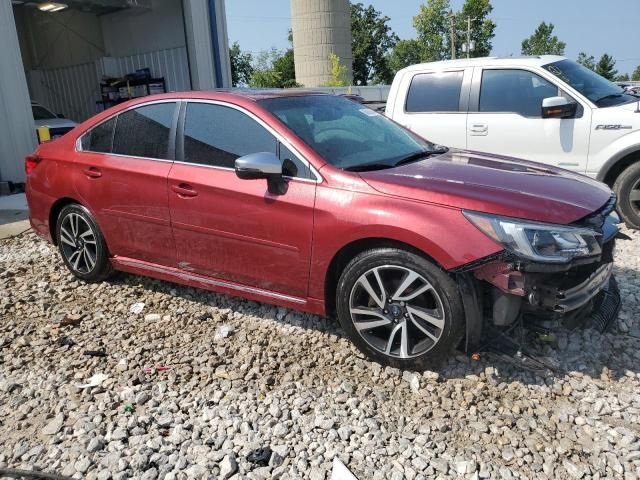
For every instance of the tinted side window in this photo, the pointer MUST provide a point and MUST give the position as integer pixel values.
(99, 138)
(144, 131)
(292, 166)
(435, 92)
(217, 135)
(516, 91)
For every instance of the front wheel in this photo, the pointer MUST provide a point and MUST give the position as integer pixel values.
(400, 309)
(82, 245)
(627, 188)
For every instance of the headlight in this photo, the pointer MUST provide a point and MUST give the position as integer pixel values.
(539, 242)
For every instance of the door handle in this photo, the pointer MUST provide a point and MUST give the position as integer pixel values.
(92, 172)
(479, 129)
(184, 190)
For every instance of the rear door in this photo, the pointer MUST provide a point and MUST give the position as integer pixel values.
(505, 117)
(121, 175)
(233, 229)
(435, 106)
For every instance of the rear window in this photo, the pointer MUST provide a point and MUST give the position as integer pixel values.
(99, 139)
(144, 131)
(435, 92)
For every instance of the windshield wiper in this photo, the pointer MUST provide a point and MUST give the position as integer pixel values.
(366, 167)
(419, 155)
(611, 95)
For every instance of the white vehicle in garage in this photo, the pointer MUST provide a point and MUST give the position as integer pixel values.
(57, 124)
(546, 108)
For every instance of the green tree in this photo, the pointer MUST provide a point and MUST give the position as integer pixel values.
(635, 76)
(371, 39)
(241, 68)
(405, 53)
(605, 67)
(287, 68)
(622, 78)
(543, 42)
(482, 28)
(275, 68)
(587, 61)
(432, 25)
(338, 73)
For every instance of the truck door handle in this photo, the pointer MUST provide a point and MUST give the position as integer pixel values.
(184, 190)
(92, 172)
(479, 129)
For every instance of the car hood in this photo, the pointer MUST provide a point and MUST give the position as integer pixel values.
(55, 123)
(494, 184)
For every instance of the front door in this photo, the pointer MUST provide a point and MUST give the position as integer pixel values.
(233, 229)
(122, 173)
(505, 117)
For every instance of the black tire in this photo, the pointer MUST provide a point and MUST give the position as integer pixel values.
(626, 183)
(384, 264)
(85, 254)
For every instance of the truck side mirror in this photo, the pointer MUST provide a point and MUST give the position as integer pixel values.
(558, 107)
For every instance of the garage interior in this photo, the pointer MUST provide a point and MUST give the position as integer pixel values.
(77, 57)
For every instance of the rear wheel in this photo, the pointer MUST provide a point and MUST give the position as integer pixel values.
(400, 309)
(82, 245)
(627, 188)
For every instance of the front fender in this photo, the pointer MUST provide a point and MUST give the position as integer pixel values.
(607, 158)
(441, 233)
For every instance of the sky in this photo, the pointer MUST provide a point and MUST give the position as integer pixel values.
(592, 26)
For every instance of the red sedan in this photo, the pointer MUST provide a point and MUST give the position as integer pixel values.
(317, 203)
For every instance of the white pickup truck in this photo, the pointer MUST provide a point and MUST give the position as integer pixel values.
(547, 109)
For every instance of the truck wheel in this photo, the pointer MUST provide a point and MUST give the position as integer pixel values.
(400, 309)
(627, 188)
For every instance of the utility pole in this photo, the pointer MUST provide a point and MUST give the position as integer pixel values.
(468, 46)
(452, 31)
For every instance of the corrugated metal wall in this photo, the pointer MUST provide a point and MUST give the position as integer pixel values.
(72, 91)
(172, 64)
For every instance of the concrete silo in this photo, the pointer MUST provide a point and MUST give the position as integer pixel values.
(320, 27)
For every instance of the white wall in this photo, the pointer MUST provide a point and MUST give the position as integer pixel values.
(58, 40)
(131, 32)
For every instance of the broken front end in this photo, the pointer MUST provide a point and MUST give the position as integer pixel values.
(548, 276)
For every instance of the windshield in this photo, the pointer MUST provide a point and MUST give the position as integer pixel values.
(41, 113)
(598, 89)
(346, 134)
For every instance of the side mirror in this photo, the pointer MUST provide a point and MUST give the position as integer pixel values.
(262, 165)
(60, 115)
(558, 107)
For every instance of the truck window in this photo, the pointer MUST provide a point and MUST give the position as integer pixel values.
(514, 91)
(435, 92)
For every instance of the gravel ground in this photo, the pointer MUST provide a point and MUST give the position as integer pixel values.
(182, 400)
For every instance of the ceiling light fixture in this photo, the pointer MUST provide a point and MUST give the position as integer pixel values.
(51, 7)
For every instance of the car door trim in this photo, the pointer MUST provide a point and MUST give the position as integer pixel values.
(185, 275)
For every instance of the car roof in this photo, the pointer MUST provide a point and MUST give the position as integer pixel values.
(533, 60)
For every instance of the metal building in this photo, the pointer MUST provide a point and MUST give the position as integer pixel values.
(57, 53)
(320, 28)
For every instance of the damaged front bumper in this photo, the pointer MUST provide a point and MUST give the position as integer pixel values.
(505, 290)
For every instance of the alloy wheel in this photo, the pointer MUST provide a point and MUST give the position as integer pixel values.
(397, 311)
(78, 242)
